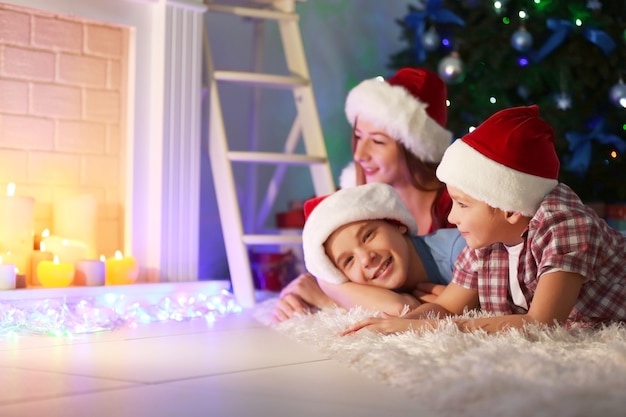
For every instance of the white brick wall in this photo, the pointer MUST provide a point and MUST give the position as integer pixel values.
(62, 87)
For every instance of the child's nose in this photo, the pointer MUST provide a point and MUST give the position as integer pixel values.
(366, 257)
(452, 215)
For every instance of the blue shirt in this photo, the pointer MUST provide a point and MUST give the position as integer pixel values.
(438, 252)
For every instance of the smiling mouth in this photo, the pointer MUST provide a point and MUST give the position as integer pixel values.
(382, 268)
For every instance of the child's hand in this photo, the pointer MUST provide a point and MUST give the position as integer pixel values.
(383, 325)
(307, 288)
(427, 292)
(288, 306)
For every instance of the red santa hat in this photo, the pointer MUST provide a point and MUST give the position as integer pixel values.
(508, 162)
(410, 106)
(326, 214)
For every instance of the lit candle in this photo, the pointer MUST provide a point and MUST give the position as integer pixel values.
(67, 250)
(75, 217)
(55, 273)
(37, 257)
(90, 272)
(121, 270)
(16, 227)
(7, 276)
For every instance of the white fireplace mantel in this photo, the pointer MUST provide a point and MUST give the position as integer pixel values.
(163, 172)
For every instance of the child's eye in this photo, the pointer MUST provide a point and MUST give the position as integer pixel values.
(347, 261)
(368, 235)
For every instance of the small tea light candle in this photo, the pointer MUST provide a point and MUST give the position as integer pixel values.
(90, 272)
(55, 273)
(7, 276)
(37, 257)
(121, 270)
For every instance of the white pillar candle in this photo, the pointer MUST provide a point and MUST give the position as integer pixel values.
(76, 217)
(7, 277)
(90, 272)
(16, 228)
(68, 250)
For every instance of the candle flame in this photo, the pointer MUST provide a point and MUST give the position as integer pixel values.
(42, 246)
(64, 242)
(45, 233)
(0, 259)
(11, 189)
(56, 259)
(118, 254)
(102, 258)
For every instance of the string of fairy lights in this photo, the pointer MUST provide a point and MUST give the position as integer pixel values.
(61, 317)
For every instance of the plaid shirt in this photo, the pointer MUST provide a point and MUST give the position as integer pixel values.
(565, 235)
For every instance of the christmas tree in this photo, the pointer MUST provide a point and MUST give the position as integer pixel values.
(569, 57)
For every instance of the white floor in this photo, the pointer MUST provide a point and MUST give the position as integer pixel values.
(233, 367)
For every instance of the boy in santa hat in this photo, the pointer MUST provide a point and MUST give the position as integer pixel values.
(366, 236)
(535, 253)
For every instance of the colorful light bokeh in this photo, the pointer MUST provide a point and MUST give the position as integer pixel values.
(107, 312)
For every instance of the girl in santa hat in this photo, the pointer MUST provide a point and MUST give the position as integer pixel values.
(365, 236)
(535, 253)
(398, 138)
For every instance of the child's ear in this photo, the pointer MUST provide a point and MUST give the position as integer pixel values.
(403, 229)
(513, 217)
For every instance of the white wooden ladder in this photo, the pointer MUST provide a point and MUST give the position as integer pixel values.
(306, 125)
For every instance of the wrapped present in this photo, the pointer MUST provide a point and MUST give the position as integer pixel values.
(272, 271)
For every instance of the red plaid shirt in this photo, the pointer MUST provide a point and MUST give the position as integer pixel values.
(565, 235)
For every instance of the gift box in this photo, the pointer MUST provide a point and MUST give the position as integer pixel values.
(292, 219)
(272, 271)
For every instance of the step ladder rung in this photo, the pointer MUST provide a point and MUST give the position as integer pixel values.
(275, 158)
(306, 126)
(272, 239)
(252, 12)
(261, 80)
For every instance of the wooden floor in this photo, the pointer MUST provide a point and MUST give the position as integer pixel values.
(235, 366)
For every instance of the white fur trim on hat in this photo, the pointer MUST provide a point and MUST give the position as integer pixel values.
(486, 180)
(374, 201)
(347, 179)
(401, 115)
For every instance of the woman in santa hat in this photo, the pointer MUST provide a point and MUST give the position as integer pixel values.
(398, 138)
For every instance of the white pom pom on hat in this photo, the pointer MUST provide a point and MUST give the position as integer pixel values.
(326, 214)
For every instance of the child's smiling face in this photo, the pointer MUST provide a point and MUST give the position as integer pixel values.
(480, 224)
(371, 252)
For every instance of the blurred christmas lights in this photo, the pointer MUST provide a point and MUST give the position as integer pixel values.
(66, 318)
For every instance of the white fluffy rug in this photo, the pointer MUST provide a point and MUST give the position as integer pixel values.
(558, 372)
